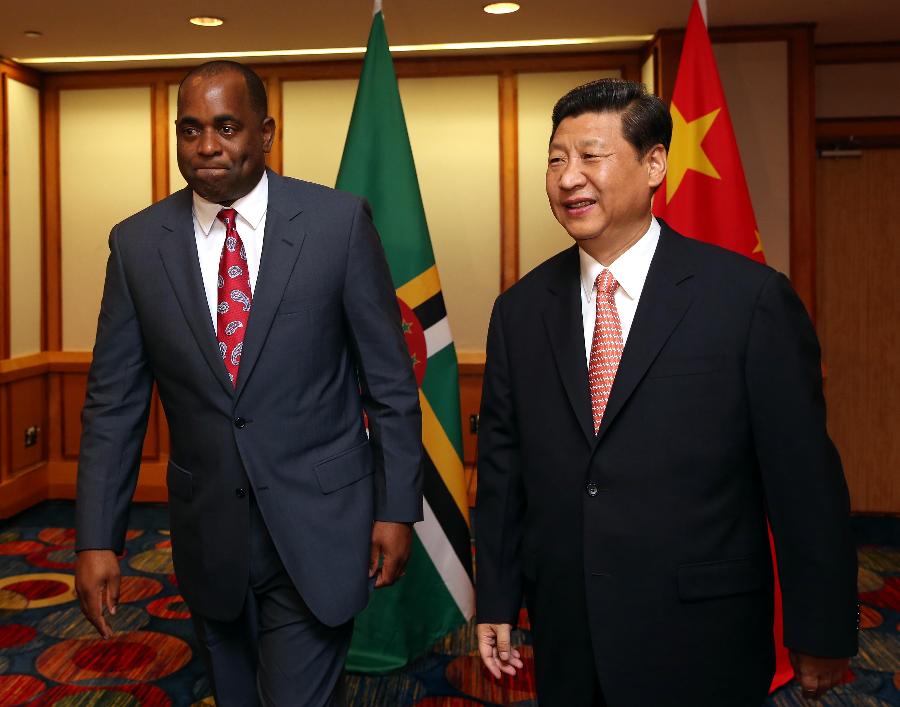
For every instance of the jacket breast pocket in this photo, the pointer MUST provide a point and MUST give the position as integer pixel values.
(671, 366)
(301, 305)
(180, 482)
(344, 468)
(708, 580)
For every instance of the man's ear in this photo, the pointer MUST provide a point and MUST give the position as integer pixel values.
(268, 132)
(657, 163)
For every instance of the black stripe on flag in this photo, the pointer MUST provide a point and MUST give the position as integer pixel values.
(448, 514)
(431, 311)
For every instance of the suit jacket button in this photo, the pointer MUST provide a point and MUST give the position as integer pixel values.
(240, 493)
(592, 489)
(240, 423)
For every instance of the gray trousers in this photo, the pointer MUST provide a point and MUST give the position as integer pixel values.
(276, 653)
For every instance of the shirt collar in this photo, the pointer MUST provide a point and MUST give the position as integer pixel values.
(630, 269)
(250, 207)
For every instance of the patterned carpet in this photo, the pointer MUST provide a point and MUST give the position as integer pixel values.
(49, 655)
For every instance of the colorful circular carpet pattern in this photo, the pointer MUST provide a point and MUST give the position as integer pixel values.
(51, 657)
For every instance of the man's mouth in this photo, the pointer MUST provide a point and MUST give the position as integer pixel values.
(577, 206)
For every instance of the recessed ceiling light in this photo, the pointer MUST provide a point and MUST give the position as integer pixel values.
(501, 8)
(33, 34)
(207, 21)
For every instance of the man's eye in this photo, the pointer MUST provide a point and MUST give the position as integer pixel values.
(189, 131)
(227, 130)
(555, 160)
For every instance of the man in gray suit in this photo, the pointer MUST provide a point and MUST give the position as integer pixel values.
(263, 309)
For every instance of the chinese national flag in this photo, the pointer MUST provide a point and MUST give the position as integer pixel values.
(705, 194)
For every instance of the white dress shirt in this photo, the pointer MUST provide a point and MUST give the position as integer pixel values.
(210, 234)
(630, 270)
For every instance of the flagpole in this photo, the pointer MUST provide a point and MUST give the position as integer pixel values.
(702, 3)
(377, 8)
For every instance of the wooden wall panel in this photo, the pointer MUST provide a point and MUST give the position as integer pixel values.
(858, 262)
(509, 180)
(5, 316)
(51, 250)
(5, 456)
(28, 408)
(74, 386)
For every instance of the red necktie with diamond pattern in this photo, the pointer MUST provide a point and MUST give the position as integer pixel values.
(606, 346)
(234, 295)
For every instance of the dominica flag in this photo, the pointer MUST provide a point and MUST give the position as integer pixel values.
(705, 194)
(436, 595)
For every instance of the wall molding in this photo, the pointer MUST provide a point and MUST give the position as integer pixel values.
(858, 53)
(849, 133)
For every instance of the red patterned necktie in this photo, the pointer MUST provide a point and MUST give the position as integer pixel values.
(606, 346)
(234, 295)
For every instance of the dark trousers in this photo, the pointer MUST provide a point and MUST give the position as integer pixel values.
(276, 652)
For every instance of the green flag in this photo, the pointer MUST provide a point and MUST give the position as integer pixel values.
(436, 595)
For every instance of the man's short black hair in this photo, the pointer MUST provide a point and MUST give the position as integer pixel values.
(259, 102)
(646, 121)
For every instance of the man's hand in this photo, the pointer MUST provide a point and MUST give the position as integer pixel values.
(97, 586)
(817, 675)
(393, 541)
(496, 654)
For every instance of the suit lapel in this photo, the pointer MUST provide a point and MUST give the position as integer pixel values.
(282, 242)
(562, 318)
(665, 299)
(178, 250)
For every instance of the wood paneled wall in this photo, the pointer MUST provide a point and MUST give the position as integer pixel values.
(859, 258)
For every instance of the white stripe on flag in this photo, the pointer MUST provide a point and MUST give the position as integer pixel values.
(446, 562)
(438, 337)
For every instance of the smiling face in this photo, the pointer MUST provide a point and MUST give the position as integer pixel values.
(221, 141)
(599, 188)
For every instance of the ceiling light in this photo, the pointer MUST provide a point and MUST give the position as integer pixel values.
(207, 21)
(33, 34)
(501, 8)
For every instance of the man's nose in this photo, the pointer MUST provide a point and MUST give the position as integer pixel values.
(209, 143)
(572, 176)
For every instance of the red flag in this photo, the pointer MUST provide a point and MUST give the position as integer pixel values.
(705, 193)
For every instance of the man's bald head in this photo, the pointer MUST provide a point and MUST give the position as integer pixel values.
(256, 90)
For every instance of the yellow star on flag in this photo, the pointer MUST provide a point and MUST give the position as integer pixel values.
(758, 248)
(686, 151)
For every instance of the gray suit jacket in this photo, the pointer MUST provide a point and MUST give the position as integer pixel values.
(323, 342)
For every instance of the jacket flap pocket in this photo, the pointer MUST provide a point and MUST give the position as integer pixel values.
(180, 482)
(344, 468)
(705, 580)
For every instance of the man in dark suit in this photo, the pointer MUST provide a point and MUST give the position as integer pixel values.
(648, 400)
(263, 309)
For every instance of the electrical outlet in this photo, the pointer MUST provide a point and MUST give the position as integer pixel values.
(31, 435)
